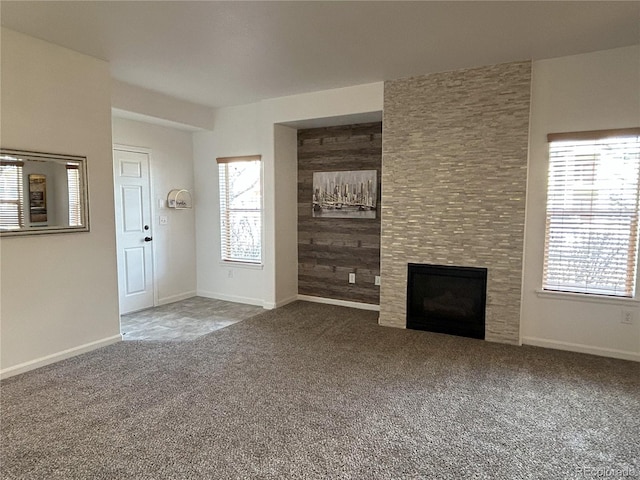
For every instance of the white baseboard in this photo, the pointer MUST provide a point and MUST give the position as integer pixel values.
(341, 303)
(176, 298)
(56, 357)
(280, 303)
(232, 298)
(576, 347)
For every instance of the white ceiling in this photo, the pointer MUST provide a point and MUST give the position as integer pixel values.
(230, 53)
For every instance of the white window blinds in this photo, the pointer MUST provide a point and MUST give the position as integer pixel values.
(11, 197)
(241, 208)
(592, 212)
(73, 187)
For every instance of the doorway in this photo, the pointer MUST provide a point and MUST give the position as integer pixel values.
(134, 233)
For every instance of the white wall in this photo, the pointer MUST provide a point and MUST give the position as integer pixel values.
(171, 167)
(154, 107)
(286, 205)
(58, 292)
(593, 91)
(251, 129)
(235, 134)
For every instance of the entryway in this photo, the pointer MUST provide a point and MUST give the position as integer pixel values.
(184, 320)
(134, 232)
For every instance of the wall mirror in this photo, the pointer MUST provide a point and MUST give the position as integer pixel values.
(42, 193)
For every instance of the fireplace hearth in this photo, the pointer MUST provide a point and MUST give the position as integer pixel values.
(447, 299)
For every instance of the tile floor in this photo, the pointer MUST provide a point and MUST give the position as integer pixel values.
(184, 320)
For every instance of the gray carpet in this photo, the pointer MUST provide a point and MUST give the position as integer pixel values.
(316, 391)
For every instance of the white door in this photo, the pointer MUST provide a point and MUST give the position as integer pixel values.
(133, 229)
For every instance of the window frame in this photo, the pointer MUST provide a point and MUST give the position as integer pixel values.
(587, 292)
(19, 190)
(74, 193)
(224, 213)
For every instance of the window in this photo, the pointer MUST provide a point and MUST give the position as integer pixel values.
(592, 212)
(241, 208)
(11, 199)
(73, 186)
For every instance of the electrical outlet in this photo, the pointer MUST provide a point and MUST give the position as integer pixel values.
(352, 278)
(628, 317)
(377, 280)
(164, 219)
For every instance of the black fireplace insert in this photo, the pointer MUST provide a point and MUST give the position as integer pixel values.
(447, 299)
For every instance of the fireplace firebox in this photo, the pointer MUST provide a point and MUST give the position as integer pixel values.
(447, 299)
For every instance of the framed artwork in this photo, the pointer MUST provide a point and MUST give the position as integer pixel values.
(345, 194)
(37, 198)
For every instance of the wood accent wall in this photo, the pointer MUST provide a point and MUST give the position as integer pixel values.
(331, 248)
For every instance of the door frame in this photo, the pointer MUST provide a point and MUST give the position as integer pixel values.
(147, 151)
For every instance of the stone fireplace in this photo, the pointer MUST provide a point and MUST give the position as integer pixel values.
(454, 176)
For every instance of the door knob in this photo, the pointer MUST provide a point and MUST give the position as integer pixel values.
(147, 239)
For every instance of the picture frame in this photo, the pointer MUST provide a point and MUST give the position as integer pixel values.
(345, 194)
(37, 198)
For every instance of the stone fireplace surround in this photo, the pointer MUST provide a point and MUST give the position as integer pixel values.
(454, 173)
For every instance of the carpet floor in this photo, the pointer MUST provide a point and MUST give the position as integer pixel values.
(318, 391)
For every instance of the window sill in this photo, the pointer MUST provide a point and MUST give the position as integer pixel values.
(247, 265)
(585, 297)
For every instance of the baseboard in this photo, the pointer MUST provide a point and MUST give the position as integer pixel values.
(231, 298)
(56, 357)
(576, 347)
(176, 298)
(280, 303)
(341, 303)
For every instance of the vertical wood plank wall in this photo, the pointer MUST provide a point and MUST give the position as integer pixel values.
(331, 248)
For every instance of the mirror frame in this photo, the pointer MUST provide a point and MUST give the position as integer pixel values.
(26, 155)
